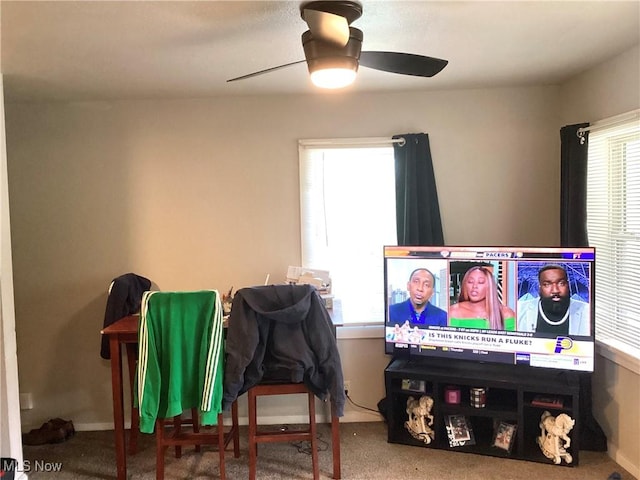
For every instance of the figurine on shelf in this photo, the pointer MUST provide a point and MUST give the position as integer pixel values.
(420, 418)
(553, 431)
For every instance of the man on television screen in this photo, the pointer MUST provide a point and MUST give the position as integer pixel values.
(417, 309)
(554, 312)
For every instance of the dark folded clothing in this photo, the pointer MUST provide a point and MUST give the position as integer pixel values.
(123, 300)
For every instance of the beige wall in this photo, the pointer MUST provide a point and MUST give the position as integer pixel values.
(204, 194)
(608, 90)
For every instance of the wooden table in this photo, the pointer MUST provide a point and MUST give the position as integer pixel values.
(124, 331)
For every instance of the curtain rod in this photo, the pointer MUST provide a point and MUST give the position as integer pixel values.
(343, 142)
(609, 122)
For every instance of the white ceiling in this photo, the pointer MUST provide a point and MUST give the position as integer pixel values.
(92, 50)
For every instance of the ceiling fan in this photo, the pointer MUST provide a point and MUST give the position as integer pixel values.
(332, 47)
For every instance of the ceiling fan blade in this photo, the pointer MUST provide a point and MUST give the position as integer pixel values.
(327, 27)
(255, 74)
(403, 63)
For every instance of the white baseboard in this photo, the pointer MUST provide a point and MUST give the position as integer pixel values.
(349, 417)
(614, 453)
(356, 416)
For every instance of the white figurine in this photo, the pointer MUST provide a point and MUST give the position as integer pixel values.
(420, 418)
(553, 430)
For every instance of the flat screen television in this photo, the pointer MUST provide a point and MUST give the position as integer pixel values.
(509, 305)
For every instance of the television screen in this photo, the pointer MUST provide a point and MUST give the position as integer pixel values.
(521, 306)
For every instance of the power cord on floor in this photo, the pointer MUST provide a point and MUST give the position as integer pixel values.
(346, 392)
(305, 446)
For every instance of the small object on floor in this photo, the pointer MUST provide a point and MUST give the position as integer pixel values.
(66, 425)
(614, 476)
(55, 430)
(43, 435)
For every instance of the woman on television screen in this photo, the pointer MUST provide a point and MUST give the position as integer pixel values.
(478, 303)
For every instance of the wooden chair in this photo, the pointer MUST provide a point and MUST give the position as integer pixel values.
(176, 437)
(307, 434)
(270, 319)
(181, 351)
(132, 361)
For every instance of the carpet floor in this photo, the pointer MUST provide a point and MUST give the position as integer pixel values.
(364, 450)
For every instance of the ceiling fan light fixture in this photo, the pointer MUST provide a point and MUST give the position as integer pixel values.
(332, 66)
(333, 78)
(333, 73)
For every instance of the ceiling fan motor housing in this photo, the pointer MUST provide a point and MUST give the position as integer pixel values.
(350, 10)
(321, 55)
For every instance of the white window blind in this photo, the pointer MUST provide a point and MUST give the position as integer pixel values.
(613, 224)
(347, 210)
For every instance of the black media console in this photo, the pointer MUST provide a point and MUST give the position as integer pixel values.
(515, 397)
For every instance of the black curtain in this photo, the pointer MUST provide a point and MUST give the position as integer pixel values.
(573, 192)
(417, 209)
(573, 233)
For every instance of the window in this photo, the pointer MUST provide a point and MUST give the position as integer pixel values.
(347, 210)
(613, 225)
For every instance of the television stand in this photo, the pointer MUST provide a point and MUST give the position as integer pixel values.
(507, 426)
